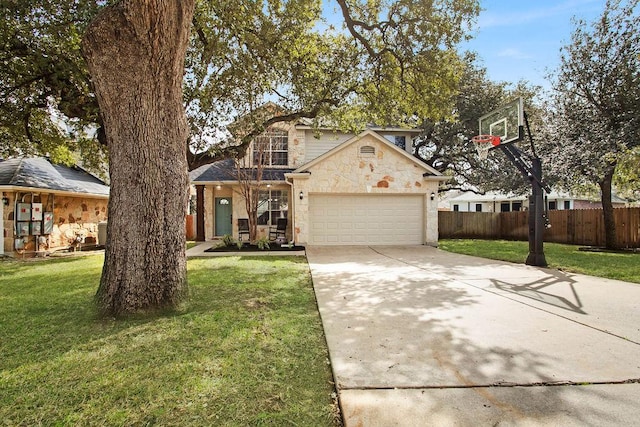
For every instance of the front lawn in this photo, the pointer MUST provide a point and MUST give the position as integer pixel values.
(248, 349)
(620, 266)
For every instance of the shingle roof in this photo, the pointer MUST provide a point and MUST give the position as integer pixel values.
(328, 124)
(38, 172)
(224, 170)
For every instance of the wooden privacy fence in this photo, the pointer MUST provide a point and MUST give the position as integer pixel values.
(190, 228)
(575, 227)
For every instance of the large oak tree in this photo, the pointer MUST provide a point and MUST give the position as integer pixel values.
(393, 62)
(135, 52)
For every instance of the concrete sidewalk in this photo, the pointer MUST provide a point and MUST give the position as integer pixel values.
(419, 336)
(200, 251)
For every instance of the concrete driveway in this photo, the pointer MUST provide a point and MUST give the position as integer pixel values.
(419, 336)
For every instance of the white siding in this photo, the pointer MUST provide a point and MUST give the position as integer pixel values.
(315, 147)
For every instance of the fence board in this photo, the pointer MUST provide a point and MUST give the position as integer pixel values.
(577, 227)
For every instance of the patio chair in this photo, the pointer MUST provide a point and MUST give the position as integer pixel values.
(243, 228)
(279, 230)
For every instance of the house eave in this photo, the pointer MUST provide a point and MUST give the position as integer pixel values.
(17, 188)
(297, 175)
(375, 129)
(439, 178)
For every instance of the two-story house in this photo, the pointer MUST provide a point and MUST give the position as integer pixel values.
(334, 188)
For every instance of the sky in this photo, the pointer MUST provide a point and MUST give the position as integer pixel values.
(521, 39)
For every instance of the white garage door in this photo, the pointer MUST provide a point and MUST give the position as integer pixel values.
(366, 219)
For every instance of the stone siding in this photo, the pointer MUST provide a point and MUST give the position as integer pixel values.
(351, 170)
(75, 222)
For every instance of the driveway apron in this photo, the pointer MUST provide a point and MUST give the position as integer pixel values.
(419, 336)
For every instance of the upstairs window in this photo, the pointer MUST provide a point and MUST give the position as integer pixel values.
(399, 141)
(271, 148)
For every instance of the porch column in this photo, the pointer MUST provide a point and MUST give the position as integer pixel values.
(200, 213)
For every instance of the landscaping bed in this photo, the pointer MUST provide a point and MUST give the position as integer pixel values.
(254, 248)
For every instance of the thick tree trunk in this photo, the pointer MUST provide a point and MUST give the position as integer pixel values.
(611, 242)
(135, 52)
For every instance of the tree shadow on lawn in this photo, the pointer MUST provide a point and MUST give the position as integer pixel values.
(46, 318)
(62, 355)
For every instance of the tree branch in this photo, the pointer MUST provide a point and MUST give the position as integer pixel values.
(196, 160)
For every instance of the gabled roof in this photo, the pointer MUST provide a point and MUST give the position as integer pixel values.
(38, 173)
(225, 170)
(429, 171)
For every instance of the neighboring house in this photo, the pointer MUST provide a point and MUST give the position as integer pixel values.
(497, 202)
(47, 207)
(334, 188)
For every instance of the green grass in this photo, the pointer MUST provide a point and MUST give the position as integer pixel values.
(248, 349)
(620, 266)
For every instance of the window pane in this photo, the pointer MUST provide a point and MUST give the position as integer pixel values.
(279, 143)
(279, 205)
(279, 158)
(273, 204)
(274, 144)
(401, 142)
(263, 208)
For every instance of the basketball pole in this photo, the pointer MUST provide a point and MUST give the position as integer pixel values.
(503, 120)
(531, 169)
(536, 217)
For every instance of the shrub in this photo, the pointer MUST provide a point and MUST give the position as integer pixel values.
(228, 240)
(262, 243)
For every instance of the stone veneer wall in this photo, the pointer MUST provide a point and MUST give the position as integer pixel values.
(349, 172)
(72, 216)
(296, 147)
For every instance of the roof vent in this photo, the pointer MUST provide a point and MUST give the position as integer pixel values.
(367, 150)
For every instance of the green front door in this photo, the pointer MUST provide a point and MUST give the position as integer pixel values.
(223, 211)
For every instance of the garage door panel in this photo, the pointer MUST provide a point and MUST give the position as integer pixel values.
(366, 219)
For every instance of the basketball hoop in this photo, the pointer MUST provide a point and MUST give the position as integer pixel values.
(484, 143)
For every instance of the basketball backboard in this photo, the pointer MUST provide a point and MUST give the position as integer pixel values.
(506, 122)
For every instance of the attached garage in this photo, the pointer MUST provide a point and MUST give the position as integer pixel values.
(366, 219)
